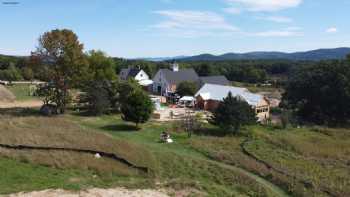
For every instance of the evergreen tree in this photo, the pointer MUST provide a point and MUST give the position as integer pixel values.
(232, 113)
(137, 108)
(98, 97)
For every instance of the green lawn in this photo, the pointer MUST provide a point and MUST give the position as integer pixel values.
(22, 92)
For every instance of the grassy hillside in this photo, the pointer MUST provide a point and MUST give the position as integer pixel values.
(306, 162)
(262, 161)
(175, 166)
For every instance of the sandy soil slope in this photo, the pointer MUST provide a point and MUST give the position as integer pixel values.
(6, 95)
(118, 192)
(21, 104)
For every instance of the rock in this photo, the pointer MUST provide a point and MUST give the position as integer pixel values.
(97, 156)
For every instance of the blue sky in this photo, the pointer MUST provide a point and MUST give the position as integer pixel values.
(156, 28)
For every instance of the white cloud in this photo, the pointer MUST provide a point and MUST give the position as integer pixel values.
(288, 32)
(332, 30)
(265, 5)
(193, 23)
(277, 19)
(232, 10)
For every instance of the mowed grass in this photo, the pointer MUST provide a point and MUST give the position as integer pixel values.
(22, 92)
(306, 162)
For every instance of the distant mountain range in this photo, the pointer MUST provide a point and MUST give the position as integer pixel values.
(314, 55)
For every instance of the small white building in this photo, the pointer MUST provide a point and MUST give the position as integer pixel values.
(138, 74)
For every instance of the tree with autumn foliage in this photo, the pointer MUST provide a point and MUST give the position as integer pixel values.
(61, 56)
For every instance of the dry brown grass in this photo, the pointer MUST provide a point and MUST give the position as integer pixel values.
(60, 133)
(306, 162)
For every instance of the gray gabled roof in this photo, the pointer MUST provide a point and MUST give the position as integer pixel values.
(182, 75)
(219, 80)
(130, 72)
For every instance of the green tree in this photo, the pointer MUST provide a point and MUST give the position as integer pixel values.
(205, 69)
(232, 113)
(125, 88)
(320, 93)
(62, 58)
(138, 108)
(98, 97)
(11, 74)
(187, 88)
(27, 73)
(101, 67)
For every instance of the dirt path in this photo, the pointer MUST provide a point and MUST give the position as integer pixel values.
(21, 104)
(118, 192)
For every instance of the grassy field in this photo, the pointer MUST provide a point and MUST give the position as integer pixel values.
(175, 166)
(306, 162)
(22, 92)
(262, 161)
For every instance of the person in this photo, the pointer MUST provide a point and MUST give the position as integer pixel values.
(165, 137)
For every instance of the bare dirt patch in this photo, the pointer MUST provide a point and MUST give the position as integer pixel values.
(94, 193)
(20, 104)
(6, 95)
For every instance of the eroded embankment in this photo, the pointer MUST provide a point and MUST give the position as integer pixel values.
(93, 152)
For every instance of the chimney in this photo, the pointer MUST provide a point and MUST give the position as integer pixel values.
(175, 67)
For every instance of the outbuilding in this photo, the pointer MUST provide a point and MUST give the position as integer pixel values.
(210, 95)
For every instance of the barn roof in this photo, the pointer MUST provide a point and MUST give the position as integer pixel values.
(131, 72)
(219, 80)
(176, 77)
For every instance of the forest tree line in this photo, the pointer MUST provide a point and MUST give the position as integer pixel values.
(248, 71)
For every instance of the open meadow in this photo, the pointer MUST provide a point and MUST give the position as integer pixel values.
(76, 152)
(262, 161)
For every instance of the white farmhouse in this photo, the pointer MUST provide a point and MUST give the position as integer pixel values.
(138, 74)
